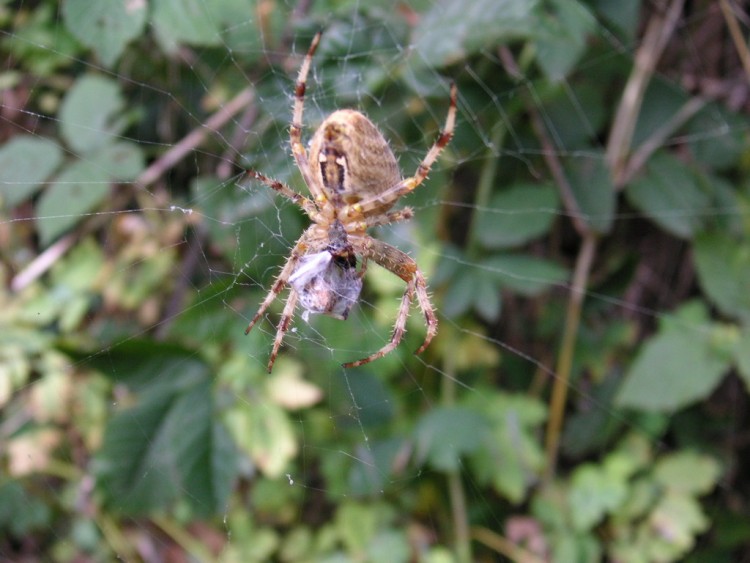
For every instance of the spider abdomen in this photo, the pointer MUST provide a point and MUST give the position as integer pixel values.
(352, 161)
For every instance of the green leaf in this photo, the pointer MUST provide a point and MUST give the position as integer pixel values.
(723, 266)
(186, 21)
(88, 111)
(670, 194)
(472, 289)
(717, 152)
(141, 364)
(105, 25)
(25, 162)
(38, 42)
(356, 525)
(688, 473)
(561, 36)
(511, 457)
(122, 161)
(623, 15)
(451, 31)
(593, 190)
(572, 130)
(20, 512)
(167, 448)
(366, 393)
(675, 368)
(264, 432)
(443, 435)
(661, 102)
(742, 352)
(524, 274)
(460, 294)
(372, 476)
(390, 545)
(76, 192)
(517, 216)
(487, 301)
(594, 493)
(678, 519)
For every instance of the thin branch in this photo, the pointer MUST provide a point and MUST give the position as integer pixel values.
(37, 267)
(659, 30)
(736, 33)
(188, 143)
(504, 546)
(549, 151)
(584, 263)
(42, 263)
(646, 149)
(581, 273)
(459, 509)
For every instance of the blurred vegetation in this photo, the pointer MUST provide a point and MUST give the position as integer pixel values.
(586, 236)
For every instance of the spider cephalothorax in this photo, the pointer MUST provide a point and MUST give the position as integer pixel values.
(354, 181)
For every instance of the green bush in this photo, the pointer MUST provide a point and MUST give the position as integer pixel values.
(584, 236)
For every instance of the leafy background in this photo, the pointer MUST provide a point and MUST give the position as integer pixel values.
(585, 236)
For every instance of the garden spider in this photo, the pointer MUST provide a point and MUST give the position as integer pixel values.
(354, 180)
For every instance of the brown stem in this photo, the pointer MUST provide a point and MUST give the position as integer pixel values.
(584, 262)
(736, 33)
(195, 138)
(47, 259)
(579, 285)
(655, 39)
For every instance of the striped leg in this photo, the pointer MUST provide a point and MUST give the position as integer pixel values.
(295, 131)
(403, 266)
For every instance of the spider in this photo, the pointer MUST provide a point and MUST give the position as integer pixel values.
(354, 181)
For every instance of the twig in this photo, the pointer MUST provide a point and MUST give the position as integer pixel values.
(194, 138)
(579, 285)
(42, 263)
(581, 273)
(736, 33)
(226, 165)
(47, 259)
(638, 160)
(456, 491)
(549, 151)
(504, 546)
(657, 35)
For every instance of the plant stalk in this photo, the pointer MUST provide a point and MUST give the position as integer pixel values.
(560, 388)
(456, 491)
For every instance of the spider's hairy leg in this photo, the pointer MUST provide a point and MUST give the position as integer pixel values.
(398, 331)
(423, 298)
(284, 323)
(376, 220)
(307, 205)
(404, 267)
(410, 184)
(281, 280)
(295, 130)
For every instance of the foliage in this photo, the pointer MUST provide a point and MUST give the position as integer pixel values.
(133, 411)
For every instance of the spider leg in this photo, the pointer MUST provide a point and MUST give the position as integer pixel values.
(410, 184)
(374, 221)
(295, 131)
(284, 324)
(281, 280)
(306, 204)
(398, 331)
(406, 268)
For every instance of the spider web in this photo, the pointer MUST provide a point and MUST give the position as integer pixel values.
(314, 437)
